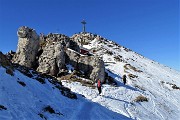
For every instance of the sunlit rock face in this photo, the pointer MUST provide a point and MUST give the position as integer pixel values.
(28, 45)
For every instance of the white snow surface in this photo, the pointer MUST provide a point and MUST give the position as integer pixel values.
(154, 82)
(115, 103)
(25, 103)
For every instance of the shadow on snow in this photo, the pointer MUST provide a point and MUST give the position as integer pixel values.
(117, 78)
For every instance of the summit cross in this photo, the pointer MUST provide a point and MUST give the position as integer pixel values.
(84, 27)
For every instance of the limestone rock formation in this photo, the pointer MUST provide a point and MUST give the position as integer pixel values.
(92, 66)
(52, 59)
(84, 38)
(50, 53)
(28, 45)
(60, 38)
(99, 70)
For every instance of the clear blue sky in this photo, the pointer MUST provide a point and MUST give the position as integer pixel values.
(148, 27)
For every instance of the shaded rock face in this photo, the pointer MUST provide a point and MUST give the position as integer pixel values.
(6, 63)
(4, 60)
(92, 66)
(10, 55)
(28, 45)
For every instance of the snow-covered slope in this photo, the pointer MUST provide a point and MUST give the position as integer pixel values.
(24, 98)
(146, 78)
(151, 93)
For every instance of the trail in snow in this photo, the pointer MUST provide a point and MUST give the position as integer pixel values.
(29, 101)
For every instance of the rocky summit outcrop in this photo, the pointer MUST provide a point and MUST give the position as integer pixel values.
(85, 37)
(51, 53)
(28, 45)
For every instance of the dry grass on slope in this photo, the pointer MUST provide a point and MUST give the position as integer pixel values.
(140, 98)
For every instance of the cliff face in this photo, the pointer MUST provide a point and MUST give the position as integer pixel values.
(51, 53)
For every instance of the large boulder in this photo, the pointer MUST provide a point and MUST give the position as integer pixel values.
(98, 71)
(28, 45)
(91, 66)
(52, 59)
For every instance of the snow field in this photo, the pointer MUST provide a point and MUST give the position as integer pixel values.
(27, 102)
(154, 83)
